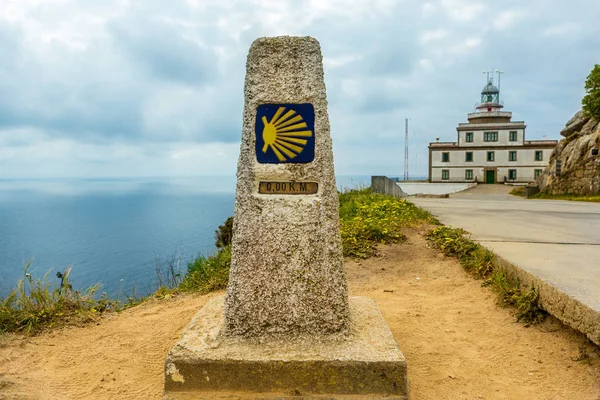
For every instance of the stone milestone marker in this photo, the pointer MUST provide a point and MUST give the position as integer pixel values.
(286, 325)
(287, 272)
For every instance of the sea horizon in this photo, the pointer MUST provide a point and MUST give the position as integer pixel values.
(113, 231)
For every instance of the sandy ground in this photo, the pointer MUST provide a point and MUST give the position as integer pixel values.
(458, 343)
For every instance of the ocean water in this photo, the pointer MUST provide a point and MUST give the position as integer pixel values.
(112, 231)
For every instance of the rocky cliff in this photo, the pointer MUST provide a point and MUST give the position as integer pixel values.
(574, 166)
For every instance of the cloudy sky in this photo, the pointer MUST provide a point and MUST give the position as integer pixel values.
(122, 88)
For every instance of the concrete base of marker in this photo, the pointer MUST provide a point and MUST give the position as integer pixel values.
(366, 364)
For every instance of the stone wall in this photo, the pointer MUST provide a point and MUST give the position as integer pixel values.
(573, 167)
(384, 185)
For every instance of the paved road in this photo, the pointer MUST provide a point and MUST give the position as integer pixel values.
(559, 241)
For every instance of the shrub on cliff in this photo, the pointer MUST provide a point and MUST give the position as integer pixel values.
(224, 234)
(591, 101)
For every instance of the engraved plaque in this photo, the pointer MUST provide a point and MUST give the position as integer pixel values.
(287, 187)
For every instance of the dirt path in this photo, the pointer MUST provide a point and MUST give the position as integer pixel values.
(458, 343)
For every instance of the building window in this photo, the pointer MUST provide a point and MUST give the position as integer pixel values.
(445, 157)
(512, 174)
(537, 173)
(468, 174)
(490, 136)
(445, 174)
(513, 136)
(469, 137)
(512, 156)
(539, 155)
(469, 156)
(490, 156)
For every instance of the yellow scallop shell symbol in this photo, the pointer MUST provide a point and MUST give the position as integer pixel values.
(284, 133)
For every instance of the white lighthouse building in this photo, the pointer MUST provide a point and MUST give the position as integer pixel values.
(490, 148)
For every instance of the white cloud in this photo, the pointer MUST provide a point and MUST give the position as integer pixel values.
(428, 8)
(50, 158)
(507, 19)
(426, 64)
(121, 88)
(434, 35)
(463, 10)
(455, 51)
(336, 62)
(561, 29)
(472, 42)
(350, 87)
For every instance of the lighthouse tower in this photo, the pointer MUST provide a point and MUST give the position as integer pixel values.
(490, 147)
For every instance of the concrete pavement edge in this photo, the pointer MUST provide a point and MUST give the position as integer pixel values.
(556, 302)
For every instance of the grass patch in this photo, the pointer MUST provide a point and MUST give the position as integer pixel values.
(570, 197)
(482, 263)
(206, 274)
(367, 219)
(37, 304)
(518, 191)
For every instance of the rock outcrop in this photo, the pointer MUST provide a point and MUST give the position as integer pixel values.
(574, 166)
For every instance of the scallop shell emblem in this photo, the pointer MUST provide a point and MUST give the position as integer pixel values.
(285, 134)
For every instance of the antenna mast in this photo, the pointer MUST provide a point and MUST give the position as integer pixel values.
(406, 149)
(499, 72)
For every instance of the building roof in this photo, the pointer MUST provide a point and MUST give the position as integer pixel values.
(491, 126)
(527, 144)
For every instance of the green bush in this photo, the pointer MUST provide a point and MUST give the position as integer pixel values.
(591, 100)
(367, 219)
(224, 234)
(206, 274)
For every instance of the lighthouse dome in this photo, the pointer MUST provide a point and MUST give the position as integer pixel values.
(490, 89)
